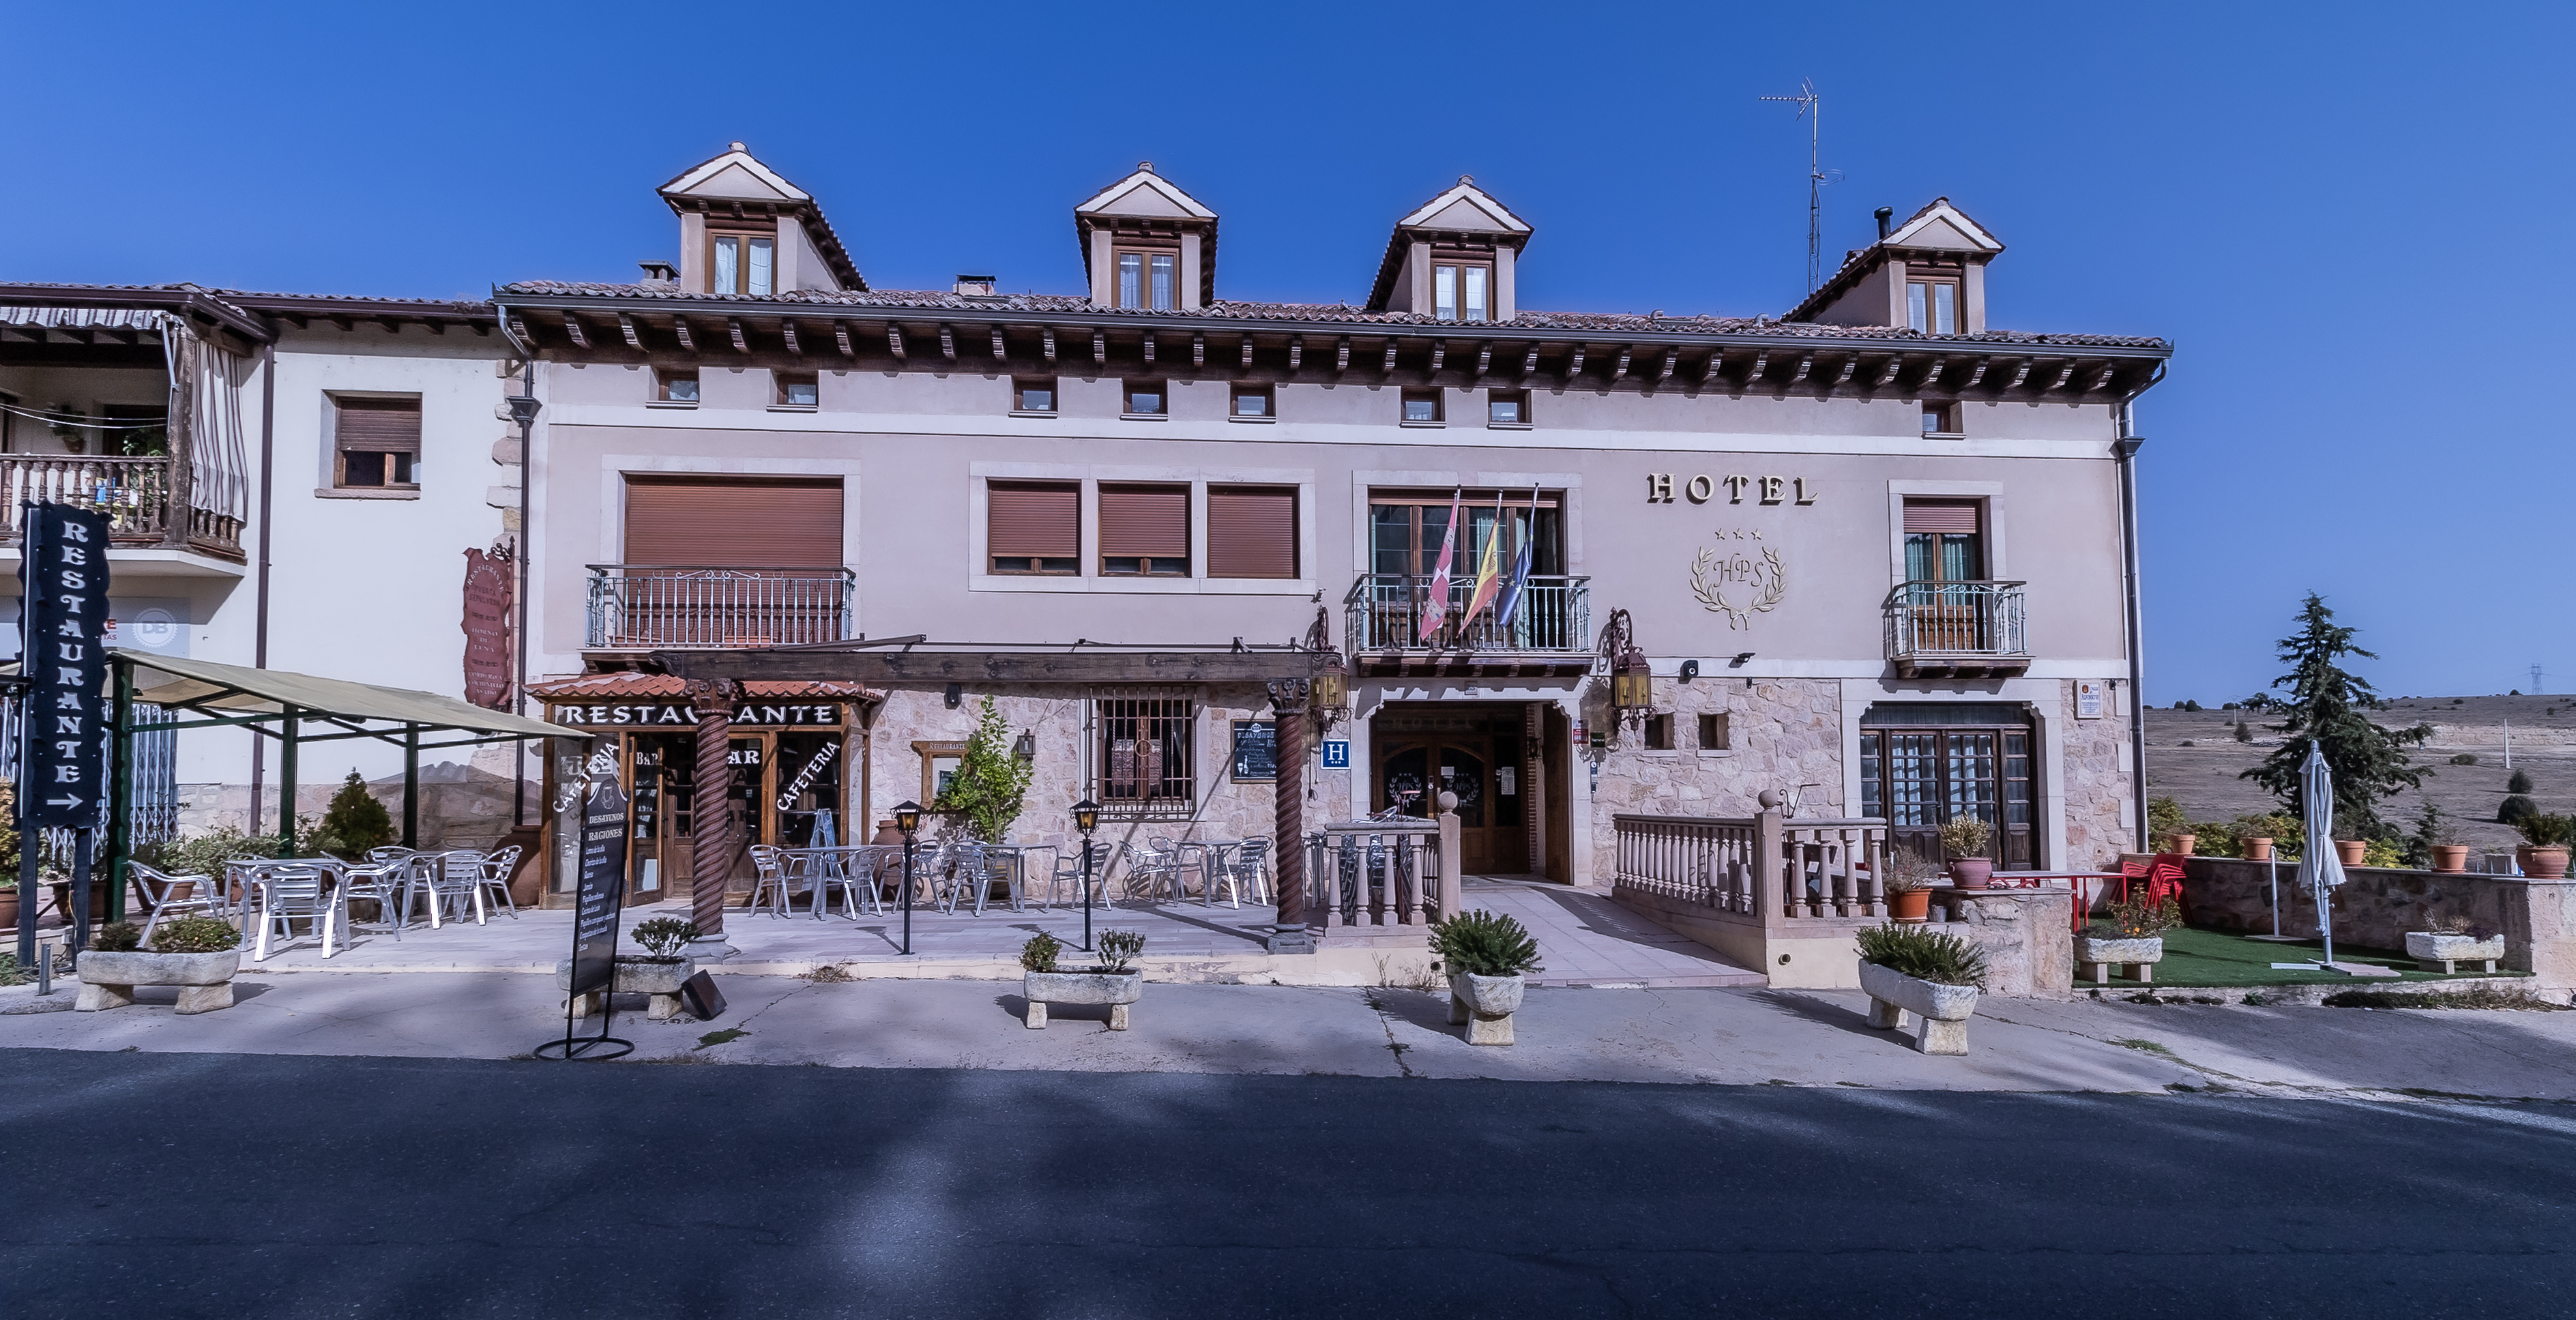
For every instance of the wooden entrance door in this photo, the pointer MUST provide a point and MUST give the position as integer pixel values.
(1477, 756)
(658, 779)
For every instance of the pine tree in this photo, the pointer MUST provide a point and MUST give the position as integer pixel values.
(2327, 709)
(355, 821)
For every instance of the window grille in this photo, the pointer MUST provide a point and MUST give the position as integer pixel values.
(1142, 757)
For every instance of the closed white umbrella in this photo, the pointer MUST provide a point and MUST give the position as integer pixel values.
(2320, 868)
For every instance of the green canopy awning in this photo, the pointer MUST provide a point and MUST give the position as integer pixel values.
(175, 684)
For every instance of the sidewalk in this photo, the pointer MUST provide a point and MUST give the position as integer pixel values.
(1671, 1035)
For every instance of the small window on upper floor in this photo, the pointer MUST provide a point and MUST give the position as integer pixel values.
(797, 389)
(1033, 394)
(742, 263)
(1252, 402)
(1146, 398)
(675, 387)
(1507, 408)
(1659, 733)
(1713, 732)
(1148, 278)
(1462, 290)
(1932, 306)
(1944, 418)
(376, 443)
(1422, 407)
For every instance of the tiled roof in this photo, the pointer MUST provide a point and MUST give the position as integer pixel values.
(892, 300)
(620, 685)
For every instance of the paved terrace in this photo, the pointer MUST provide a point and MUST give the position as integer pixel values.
(1584, 938)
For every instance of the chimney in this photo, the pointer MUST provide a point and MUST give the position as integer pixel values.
(660, 270)
(1885, 215)
(975, 286)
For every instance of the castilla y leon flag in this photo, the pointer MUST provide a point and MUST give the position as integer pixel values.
(1435, 603)
(1489, 568)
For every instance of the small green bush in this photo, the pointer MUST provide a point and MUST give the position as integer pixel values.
(2513, 809)
(117, 937)
(2465, 758)
(1925, 955)
(1041, 952)
(662, 937)
(1965, 836)
(1484, 943)
(1119, 948)
(206, 853)
(2519, 783)
(355, 822)
(2244, 732)
(194, 935)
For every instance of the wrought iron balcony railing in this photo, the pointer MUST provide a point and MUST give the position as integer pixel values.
(1944, 629)
(1388, 612)
(634, 606)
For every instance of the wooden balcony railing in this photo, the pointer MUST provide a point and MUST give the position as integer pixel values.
(134, 493)
(635, 606)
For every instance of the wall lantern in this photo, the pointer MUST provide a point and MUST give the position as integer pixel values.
(1331, 691)
(1026, 748)
(1632, 683)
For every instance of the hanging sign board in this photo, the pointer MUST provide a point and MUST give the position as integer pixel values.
(1256, 751)
(63, 570)
(603, 885)
(680, 715)
(488, 588)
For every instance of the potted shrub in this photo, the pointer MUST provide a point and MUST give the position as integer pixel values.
(2544, 851)
(197, 954)
(2453, 941)
(659, 971)
(1932, 975)
(1964, 841)
(1113, 982)
(2131, 936)
(1485, 955)
(1909, 888)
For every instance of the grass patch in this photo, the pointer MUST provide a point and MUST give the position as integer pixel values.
(2215, 959)
(2143, 1046)
(830, 974)
(2468, 996)
(724, 1037)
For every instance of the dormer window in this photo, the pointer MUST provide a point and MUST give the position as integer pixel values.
(1932, 306)
(1148, 278)
(743, 263)
(1462, 291)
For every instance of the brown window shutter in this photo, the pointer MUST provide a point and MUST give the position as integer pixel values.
(382, 426)
(1252, 533)
(733, 524)
(1039, 520)
(1958, 517)
(1145, 521)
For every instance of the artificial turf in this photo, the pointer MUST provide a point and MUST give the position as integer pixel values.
(2217, 959)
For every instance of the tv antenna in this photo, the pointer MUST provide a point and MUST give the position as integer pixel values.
(1811, 107)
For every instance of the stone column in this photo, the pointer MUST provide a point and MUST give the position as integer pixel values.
(711, 810)
(1288, 803)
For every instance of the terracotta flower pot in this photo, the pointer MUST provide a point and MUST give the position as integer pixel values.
(2352, 851)
(1972, 872)
(887, 835)
(2546, 863)
(2258, 849)
(2183, 843)
(2450, 858)
(1909, 905)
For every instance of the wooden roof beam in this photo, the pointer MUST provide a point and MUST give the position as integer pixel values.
(1851, 363)
(1529, 362)
(1342, 356)
(1046, 337)
(1620, 372)
(1484, 361)
(894, 342)
(572, 329)
(1247, 352)
(841, 339)
(1439, 353)
(1388, 369)
(787, 331)
(1100, 348)
(1198, 351)
(1149, 348)
(681, 325)
(1296, 351)
(626, 327)
(1001, 351)
(1574, 364)
(1672, 357)
(1713, 371)
(733, 326)
(947, 342)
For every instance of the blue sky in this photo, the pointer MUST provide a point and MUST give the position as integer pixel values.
(2346, 216)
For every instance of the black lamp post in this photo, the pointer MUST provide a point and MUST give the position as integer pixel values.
(907, 818)
(1086, 818)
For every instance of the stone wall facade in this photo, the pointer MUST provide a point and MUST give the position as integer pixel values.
(2378, 906)
(2095, 785)
(1782, 734)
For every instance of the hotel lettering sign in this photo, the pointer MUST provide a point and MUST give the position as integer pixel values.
(679, 715)
(1661, 488)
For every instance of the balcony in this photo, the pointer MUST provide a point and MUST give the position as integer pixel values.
(135, 494)
(642, 607)
(1956, 630)
(1550, 633)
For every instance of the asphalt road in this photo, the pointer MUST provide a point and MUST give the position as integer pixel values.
(177, 1185)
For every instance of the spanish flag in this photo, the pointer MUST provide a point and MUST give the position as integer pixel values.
(1489, 568)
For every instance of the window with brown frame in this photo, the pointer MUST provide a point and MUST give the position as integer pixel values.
(1461, 290)
(376, 443)
(1407, 527)
(1141, 758)
(1422, 407)
(1033, 394)
(1932, 306)
(1252, 401)
(1144, 531)
(675, 386)
(1148, 278)
(1147, 398)
(1033, 527)
(1713, 732)
(1507, 408)
(797, 389)
(742, 262)
(1252, 531)
(1942, 541)
(1944, 418)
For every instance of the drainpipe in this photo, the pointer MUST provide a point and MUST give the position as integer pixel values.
(2125, 449)
(267, 487)
(523, 410)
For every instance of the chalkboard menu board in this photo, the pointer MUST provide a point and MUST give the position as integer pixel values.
(603, 889)
(1256, 750)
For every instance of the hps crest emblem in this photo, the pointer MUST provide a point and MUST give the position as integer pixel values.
(1739, 580)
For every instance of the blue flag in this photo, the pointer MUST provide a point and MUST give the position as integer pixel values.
(1508, 607)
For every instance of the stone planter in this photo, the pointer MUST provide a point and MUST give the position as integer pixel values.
(2258, 849)
(2443, 953)
(2450, 858)
(205, 980)
(2352, 851)
(1116, 989)
(1909, 905)
(1972, 872)
(2095, 957)
(2545, 863)
(1484, 1005)
(636, 975)
(1942, 1010)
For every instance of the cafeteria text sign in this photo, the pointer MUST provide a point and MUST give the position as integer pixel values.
(679, 715)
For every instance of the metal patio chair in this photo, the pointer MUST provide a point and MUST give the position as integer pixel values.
(492, 878)
(172, 895)
(1068, 871)
(776, 880)
(384, 880)
(287, 894)
(1153, 869)
(1241, 872)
